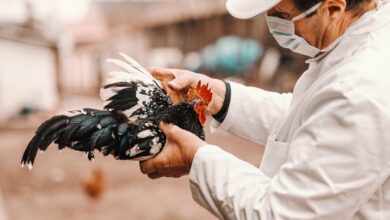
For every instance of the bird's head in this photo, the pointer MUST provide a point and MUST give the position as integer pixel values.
(202, 96)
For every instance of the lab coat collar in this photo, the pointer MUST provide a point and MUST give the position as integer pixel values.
(370, 21)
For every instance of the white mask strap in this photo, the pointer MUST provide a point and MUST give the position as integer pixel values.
(307, 12)
(379, 4)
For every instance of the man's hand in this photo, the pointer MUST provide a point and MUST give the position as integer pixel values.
(177, 82)
(175, 159)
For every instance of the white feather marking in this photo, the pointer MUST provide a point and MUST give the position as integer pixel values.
(119, 76)
(145, 134)
(143, 100)
(131, 111)
(127, 67)
(30, 166)
(99, 126)
(155, 149)
(135, 64)
(106, 94)
(71, 113)
(134, 151)
(133, 72)
(132, 66)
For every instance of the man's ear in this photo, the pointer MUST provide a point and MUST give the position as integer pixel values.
(334, 8)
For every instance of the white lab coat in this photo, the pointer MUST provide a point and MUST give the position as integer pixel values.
(327, 145)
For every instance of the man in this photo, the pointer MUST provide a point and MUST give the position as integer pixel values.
(327, 144)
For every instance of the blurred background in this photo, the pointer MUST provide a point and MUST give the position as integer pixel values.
(52, 59)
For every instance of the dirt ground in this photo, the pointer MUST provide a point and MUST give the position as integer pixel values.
(54, 189)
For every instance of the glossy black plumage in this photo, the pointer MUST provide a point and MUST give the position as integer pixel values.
(110, 132)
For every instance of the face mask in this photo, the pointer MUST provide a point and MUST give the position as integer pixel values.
(284, 33)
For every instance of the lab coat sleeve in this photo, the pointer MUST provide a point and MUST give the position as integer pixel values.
(338, 158)
(253, 112)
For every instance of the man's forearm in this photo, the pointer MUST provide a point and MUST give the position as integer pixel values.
(252, 112)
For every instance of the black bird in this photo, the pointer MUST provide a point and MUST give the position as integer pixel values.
(127, 128)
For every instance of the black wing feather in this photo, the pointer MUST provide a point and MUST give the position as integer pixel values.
(107, 131)
(128, 97)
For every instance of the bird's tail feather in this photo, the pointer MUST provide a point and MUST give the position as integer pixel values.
(86, 130)
(45, 134)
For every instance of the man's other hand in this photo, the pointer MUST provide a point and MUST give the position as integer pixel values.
(175, 159)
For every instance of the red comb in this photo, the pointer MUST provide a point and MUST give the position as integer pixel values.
(200, 91)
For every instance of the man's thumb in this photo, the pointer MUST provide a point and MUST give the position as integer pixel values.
(166, 128)
(178, 83)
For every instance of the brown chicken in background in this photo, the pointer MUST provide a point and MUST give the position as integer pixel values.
(95, 186)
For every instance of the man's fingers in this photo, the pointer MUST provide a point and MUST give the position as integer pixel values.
(147, 166)
(158, 70)
(168, 129)
(162, 74)
(180, 83)
(176, 79)
(155, 175)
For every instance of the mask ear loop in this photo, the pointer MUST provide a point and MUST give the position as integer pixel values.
(307, 12)
(379, 4)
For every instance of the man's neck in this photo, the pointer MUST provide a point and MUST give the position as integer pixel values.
(354, 14)
(347, 20)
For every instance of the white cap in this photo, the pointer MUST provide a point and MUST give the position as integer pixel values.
(244, 9)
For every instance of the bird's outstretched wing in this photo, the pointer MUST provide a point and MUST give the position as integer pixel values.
(134, 91)
(89, 129)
